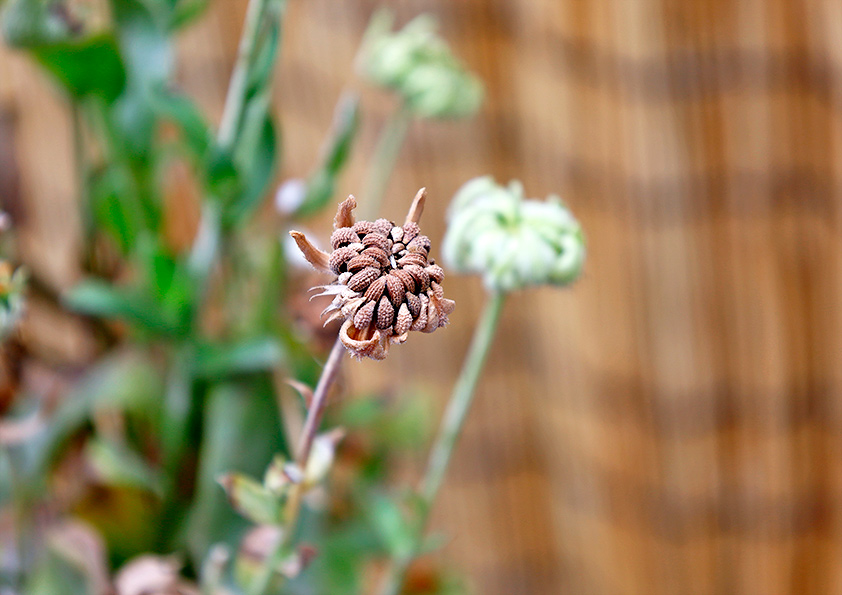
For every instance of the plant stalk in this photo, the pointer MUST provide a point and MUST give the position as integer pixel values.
(451, 429)
(383, 163)
(305, 444)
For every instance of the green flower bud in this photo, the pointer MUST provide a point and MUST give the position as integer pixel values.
(418, 65)
(511, 241)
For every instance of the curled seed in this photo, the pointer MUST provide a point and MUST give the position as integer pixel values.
(403, 320)
(422, 242)
(362, 319)
(380, 241)
(375, 290)
(410, 230)
(412, 258)
(414, 303)
(361, 262)
(436, 290)
(383, 227)
(339, 257)
(422, 277)
(407, 279)
(343, 236)
(397, 234)
(436, 273)
(397, 248)
(360, 281)
(385, 313)
(377, 254)
(362, 228)
(395, 288)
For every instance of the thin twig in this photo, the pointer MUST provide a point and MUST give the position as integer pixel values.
(451, 429)
(305, 444)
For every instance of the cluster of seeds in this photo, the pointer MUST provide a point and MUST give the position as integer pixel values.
(386, 284)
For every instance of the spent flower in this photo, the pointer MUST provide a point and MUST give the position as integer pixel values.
(386, 284)
(417, 63)
(511, 241)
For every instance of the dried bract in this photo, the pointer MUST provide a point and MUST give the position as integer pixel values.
(386, 284)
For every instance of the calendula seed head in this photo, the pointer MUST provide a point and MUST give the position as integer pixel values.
(384, 287)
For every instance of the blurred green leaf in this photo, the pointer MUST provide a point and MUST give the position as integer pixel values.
(90, 66)
(322, 183)
(115, 208)
(255, 158)
(184, 11)
(251, 499)
(28, 23)
(116, 465)
(234, 415)
(177, 409)
(182, 111)
(250, 355)
(391, 526)
(98, 298)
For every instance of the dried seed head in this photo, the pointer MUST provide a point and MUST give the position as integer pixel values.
(386, 285)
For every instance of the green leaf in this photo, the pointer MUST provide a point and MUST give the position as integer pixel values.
(391, 526)
(250, 355)
(322, 184)
(91, 66)
(234, 415)
(182, 111)
(117, 465)
(97, 298)
(251, 499)
(255, 158)
(115, 208)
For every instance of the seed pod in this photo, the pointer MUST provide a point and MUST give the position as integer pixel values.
(410, 230)
(380, 241)
(361, 280)
(362, 228)
(397, 248)
(397, 234)
(339, 257)
(406, 279)
(414, 304)
(436, 273)
(342, 237)
(419, 244)
(364, 315)
(412, 259)
(361, 262)
(403, 320)
(383, 227)
(376, 289)
(396, 289)
(377, 254)
(385, 313)
(422, 278)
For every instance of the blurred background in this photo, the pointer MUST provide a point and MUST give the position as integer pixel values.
(671, 424)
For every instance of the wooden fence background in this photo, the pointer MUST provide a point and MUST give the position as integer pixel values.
(672, 424)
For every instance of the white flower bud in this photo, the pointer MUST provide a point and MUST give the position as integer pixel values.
(417, 64)
(511, 241)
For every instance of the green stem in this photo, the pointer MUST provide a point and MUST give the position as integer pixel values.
(451, 429)
(308, 434)
(383, 163)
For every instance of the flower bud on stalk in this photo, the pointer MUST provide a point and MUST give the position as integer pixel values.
(511, 241)
(417, 64)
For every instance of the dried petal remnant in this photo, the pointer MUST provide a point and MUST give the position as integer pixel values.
(386, 284)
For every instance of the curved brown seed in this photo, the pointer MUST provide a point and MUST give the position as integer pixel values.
(406, 279)
(362, 228)
(436, 273)
(396, 289)
(342, 237)
(397, 234)
(380, 241)
(403, 320)
(413, 258)
(397, 248)
(339, 257)
(361, 262)
(376, 289)
(422, 278)
(361, 280)
(385, 313)
(422, 242)
(377, 254)
(364, 315)
(383, 227)
(410, 230)
(414, 304)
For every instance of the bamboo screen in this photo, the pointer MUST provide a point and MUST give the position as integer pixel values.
(671, 425)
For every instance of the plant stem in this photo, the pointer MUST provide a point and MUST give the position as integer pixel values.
(451, 429)
(308, 434)
(232, 114)
(383, 163)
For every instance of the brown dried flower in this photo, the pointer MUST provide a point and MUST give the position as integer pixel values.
(386, 284)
